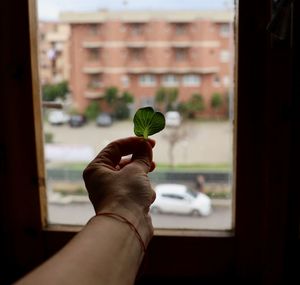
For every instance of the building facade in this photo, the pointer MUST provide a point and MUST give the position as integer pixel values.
(54, 59)
(140, 52)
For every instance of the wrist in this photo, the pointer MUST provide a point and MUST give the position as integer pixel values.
(140, 220)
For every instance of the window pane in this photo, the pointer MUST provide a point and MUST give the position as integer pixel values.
(104, 65)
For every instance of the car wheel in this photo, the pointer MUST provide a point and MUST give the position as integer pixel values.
(195, 213)
(155, 210)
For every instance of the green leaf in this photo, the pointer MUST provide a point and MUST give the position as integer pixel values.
(147, 122)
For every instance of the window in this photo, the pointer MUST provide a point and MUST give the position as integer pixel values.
(170, 80)
(224, 30)
(147, 80)
(191, 80)
(136, 29)
(94, 81)
(216, 81)
(181, 29)
(93, 53)
(136, 54)
(226, 256)
(224, 56)
(93, 29)
(181, 54)
(125, 79)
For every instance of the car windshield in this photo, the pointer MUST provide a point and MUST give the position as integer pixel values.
(192, 193)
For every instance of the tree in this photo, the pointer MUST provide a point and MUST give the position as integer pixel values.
(51, 92)
(216, 102)
(173, 136)
(166, 98)
(92, 110)
(118, 104)
(111, 95)
(193, 106)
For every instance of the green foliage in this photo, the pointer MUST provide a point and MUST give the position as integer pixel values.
(92, 110)
(51, 92)
(122, 111)
(193, 106)
(147, 122)
(111, 95)
(48, 137)
(166, 98)
(127, 97)
(117, 103)
(216, 101)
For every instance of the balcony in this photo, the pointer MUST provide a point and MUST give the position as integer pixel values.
(93, 94)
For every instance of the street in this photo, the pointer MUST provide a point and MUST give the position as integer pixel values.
(200, 142)
(80, 213)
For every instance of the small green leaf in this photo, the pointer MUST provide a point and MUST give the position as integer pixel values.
(147, 122)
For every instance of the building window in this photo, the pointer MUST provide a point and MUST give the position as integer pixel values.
(224, 30)
(170, 80)
(181, 29)
(147, 101)
(216, 81)
(125, 79)
(147, 80)
(136, 54)
(191, 80)
(94, 81)
(181, 54)
(93, 29)
(226, 81)
(224, 55)
(136, 29)
(93, 53)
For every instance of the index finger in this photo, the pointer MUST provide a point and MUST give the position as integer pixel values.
(113, 152)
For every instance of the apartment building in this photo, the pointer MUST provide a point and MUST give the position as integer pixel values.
(141, 51)
(54, 52)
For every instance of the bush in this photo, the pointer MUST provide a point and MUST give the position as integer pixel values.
(48, 137)
(51, 92)
(216, 101)
(193, 106)
(92, 110)
(122, 111)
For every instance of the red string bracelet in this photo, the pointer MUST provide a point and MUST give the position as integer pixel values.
(124, 220)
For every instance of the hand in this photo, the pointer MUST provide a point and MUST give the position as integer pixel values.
(121, 185)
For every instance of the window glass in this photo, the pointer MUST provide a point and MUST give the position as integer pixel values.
(179, 63)
(170, 80)
(147, 80)
(191, 80)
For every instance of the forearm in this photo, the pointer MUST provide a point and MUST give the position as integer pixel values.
(106, 251)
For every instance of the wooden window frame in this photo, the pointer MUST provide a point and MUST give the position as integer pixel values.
(265, 235)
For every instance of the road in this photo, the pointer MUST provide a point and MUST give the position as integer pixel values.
(201, 142)
(80, 213)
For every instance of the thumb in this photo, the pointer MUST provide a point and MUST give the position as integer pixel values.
(142, 155)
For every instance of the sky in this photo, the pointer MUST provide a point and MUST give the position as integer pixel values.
(50, 9)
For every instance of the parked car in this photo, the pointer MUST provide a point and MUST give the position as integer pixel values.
(179, 199)
(77, 121)
(104, 120)
(173, 119)
(58, 117)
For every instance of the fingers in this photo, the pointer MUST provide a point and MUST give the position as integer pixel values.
(140, 149)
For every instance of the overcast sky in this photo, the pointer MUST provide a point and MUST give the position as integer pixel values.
(49, 9)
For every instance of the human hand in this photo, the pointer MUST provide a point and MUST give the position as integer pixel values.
(121, 185)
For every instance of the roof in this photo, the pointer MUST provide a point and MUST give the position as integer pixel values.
(146, 16)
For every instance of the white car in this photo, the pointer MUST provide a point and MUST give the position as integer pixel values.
(173, 119)
(58, 117)
(179, 199)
